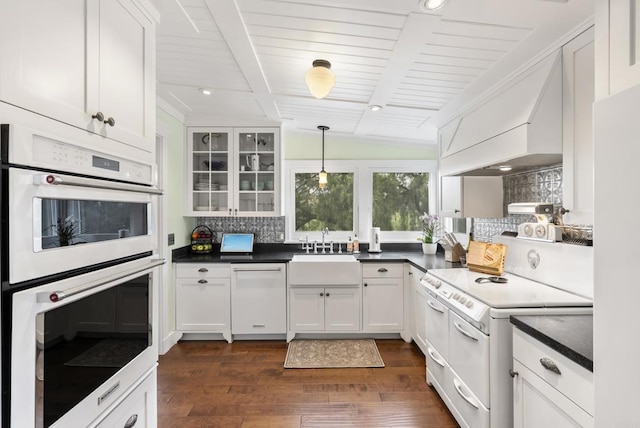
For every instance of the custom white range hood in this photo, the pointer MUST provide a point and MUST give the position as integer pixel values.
(520, 125)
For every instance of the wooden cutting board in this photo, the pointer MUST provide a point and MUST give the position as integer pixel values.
(486, 258)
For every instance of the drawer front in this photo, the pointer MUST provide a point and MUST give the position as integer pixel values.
(574, 381)
(382, 270)
(436, 365)
(468, 407)
(204, 270)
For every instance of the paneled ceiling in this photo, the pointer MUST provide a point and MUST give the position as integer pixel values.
(421, 67)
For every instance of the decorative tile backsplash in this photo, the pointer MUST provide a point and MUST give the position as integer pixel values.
(542, 185)
(266, 229)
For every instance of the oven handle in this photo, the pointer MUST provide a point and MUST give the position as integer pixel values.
(434, 307)
(58, 296)
(95, 184)
(463, 332)
(468, 399)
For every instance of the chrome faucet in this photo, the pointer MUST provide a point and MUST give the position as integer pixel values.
(325, 232)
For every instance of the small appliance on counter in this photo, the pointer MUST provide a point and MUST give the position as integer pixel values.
(543, 230)
(202, 239)
(374, 240)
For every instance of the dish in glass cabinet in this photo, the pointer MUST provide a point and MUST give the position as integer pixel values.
(214, 165)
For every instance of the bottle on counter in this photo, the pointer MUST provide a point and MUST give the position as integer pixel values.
(356, 244)
(349, 245)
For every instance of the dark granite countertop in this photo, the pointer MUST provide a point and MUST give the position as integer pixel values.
(283, 253)
(570, 335)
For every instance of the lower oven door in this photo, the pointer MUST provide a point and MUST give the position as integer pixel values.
(59, 223)
(79, 344)
(469, 356)
(437, 326)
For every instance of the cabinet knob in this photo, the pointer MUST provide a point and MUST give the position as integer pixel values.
(236, 210)
(327, 294)
(111, 122)
(131, 421)
(321, 294)
(456, 211)
(98, 116)
(513, 373)
(365, 284)
(229, 211)
(202, 281)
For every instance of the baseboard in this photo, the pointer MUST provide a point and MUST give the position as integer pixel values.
(168, 342)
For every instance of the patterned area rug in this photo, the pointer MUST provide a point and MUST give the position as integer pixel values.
(317, 354)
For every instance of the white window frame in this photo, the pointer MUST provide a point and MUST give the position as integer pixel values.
(363, 171)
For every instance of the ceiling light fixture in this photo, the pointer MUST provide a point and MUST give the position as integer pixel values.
(320, 79)
(505, 168)
(375, 107)
(205, 91)
(322, 177)
(429, 5)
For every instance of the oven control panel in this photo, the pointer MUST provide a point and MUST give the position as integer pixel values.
(458, 300)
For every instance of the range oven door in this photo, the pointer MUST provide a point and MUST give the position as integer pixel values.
(79, 344)
(60, 223)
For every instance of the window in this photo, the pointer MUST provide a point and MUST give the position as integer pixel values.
(399, 199)
(330, 207)
(389, 194)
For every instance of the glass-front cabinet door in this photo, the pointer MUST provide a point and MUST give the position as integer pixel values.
(233, 172)
(257, 166)
(210, 182)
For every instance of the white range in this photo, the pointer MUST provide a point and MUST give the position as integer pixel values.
(468, 332)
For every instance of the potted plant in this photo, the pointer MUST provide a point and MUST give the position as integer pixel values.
(430, 229)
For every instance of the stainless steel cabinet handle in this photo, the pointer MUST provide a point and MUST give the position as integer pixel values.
(258, 325)
(203, 270)
(548, 364)
(437, 360)
(464, 332)
(131, 421)
(98, 116)
(466, 398)
(203, 281)
(383, 270)
(111, 122)
(434, 307)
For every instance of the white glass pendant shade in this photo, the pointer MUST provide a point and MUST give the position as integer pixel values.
(322, 179)
(320, 79)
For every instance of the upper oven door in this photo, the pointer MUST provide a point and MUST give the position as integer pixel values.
(59, 223)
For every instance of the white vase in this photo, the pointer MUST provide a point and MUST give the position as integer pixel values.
(429, 248)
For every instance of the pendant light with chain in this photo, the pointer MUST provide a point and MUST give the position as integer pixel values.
(322, 177)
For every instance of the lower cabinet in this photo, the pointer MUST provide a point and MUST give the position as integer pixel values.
(383, 297)
(324, 309)
(259, 298)
(203, 298)
(541, 396)
(138, 409)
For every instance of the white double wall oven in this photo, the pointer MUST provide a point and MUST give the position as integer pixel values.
(79, 278)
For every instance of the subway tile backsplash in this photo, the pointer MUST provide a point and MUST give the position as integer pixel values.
(541, 185)
(266, 229)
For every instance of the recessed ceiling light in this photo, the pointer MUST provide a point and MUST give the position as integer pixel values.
(205, 91)
(429, 5)
(375, 107)
(505, 168)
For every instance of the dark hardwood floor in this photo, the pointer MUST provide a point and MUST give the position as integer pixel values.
(244, 384)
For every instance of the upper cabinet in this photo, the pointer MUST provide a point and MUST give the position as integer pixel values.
(463, 197)
(233, 171)
(96, 71)
(624, 45)
(577, 136)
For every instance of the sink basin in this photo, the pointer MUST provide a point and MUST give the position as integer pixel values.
(324, 269)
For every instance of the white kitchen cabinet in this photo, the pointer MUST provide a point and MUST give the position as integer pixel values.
(138, 409)
(477, 197)
(259, 298)
(382, 297)
(544, 398)
(98, 64)
(203, 298)
(418, 301)
(623, 45)
(577, 119)
(233, 171)
(316, 309)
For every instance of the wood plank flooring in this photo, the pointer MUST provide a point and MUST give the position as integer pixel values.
(243, 384)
